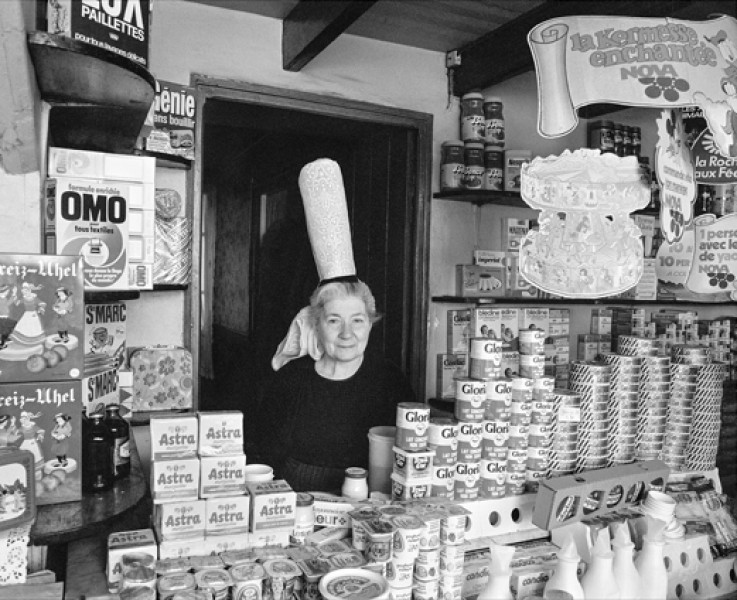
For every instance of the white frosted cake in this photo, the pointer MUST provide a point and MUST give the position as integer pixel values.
(585, 179)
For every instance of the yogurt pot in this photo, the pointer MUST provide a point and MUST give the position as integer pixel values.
(409, 530)
(216, 581)
(167, 585)
(346, 584)
(410, 489)
(431, 515)
(425, 589)
(282, 575)
(313, 570)
(427, 564)
(453, 525)
(400, 572)
(379, 540)
(413, 464)
(359, 517)
(248, 581)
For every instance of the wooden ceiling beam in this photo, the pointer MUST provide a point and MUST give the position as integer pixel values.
(312, 25)
(503, 53)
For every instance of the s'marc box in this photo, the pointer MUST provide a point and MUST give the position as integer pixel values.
(104, 336)
(45, 418)
(41, 318)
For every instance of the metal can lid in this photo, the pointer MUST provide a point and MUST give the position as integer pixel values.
(305, 499)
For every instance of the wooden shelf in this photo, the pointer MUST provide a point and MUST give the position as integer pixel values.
(111, 296)
(556, 301)
(170, 287)
(99, 99)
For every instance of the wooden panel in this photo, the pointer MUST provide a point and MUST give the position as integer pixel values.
(311, 27)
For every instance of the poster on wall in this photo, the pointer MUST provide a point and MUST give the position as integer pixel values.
(711, 166)
(647, 62)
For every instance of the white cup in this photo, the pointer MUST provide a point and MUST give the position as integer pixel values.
(381, 458)
(258, 473)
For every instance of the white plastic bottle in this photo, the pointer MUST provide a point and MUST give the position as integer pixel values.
(565, 576)
(650, 564)
(627, 576)
(599, 582)
(499, 573)
(304, 518)
(355, 485)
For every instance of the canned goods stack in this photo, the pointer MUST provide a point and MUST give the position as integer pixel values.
(623, 403)
(400, 569)
(470, 407)
(539, 436)
(495, 440)
(652, 407)
(591, 380)
(452, 554)
(679, 416)
(413, 461)
(532, 353)
(519, 431)
(563, 454)
(707, 404)
(443, 442)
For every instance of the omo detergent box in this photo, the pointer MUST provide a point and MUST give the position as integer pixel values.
(41, 317)
(104, 336)
(101, 206)
(46, 419)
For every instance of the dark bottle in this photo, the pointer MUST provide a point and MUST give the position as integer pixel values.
(120, 429)
(97, 456)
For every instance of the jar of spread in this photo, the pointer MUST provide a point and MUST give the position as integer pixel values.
(618, 138)
(494, 122)
(636, 141)
(626, 140)
(451, 165)
(493, 168)
(601, 136)
(355, 485)
(473, 173)
(472, 117)
(304, 518)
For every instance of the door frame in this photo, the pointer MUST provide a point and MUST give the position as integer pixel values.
(209, 88)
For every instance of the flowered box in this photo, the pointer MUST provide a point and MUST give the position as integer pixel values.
(46, 419)
(41, 320)
(162, 378)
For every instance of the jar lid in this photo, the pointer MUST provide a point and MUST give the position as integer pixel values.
(112, 407)
(355, 473)
(452, 143)
(472, 96)
(305, 499)
(602, 124)
(493, 99)
(474, 146)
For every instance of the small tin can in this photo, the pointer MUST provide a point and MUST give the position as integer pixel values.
(499, 399)
(467, 481)
(493, 478)
(470, 401)
(442, 438)
(495, 440)
(532, 341)
(443, 481)
(412, 421)
(469, 441)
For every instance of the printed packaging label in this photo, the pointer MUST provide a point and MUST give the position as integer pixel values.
(227, 515)
(221, 433)
(222, 475)
(174, 121)
(105, 336)
(175, 520)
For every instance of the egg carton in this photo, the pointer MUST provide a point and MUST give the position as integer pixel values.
(587, 495)
(711, 580)
(493, 517)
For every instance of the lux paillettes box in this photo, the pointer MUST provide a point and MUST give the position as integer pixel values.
(101, 206)
(41, 318)
(46, 419)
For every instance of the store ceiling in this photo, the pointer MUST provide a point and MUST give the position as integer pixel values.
(490, 35)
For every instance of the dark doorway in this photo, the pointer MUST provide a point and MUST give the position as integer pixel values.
(257, 268)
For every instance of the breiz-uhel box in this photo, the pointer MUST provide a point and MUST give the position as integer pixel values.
(126, 542)
(272, 505)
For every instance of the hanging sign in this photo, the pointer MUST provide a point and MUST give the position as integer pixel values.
(648, 62)
(715, 256)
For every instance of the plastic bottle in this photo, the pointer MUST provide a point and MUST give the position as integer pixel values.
(355, 485)
(497, 587)
(650, 564)
(627, 576)
(304, 518)
(565, 577)
(118, 426)
(598, 581)
(97, 456)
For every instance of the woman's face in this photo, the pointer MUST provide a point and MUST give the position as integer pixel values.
(344, 328)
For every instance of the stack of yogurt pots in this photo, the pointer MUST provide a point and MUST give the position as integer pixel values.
(591, 380)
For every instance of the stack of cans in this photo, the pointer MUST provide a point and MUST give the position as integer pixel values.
(679, 417)
(633, 345)
(591, 380)
(412, 469)
(495, 442)
(653, 407)
(532, 353)
(442, 440)
(704, 441)
(624, 393)
(470, 408)
(519, 431)
(539, 437)
(563, 454)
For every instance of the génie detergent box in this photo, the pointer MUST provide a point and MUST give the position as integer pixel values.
(105, 336)
(45, 418)
(175, 109)
(41, 317)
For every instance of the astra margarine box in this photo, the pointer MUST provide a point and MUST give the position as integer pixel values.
(222, 475)
(227, 515)
(272, 505)
(176, 520)
(193, 546)
(217, 544)
(173, 436)
(221, 432)
(124, 542)
(175, 480)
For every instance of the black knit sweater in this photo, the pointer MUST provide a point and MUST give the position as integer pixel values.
(323, 422)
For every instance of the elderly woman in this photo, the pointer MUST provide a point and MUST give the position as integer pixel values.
(316, 411)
